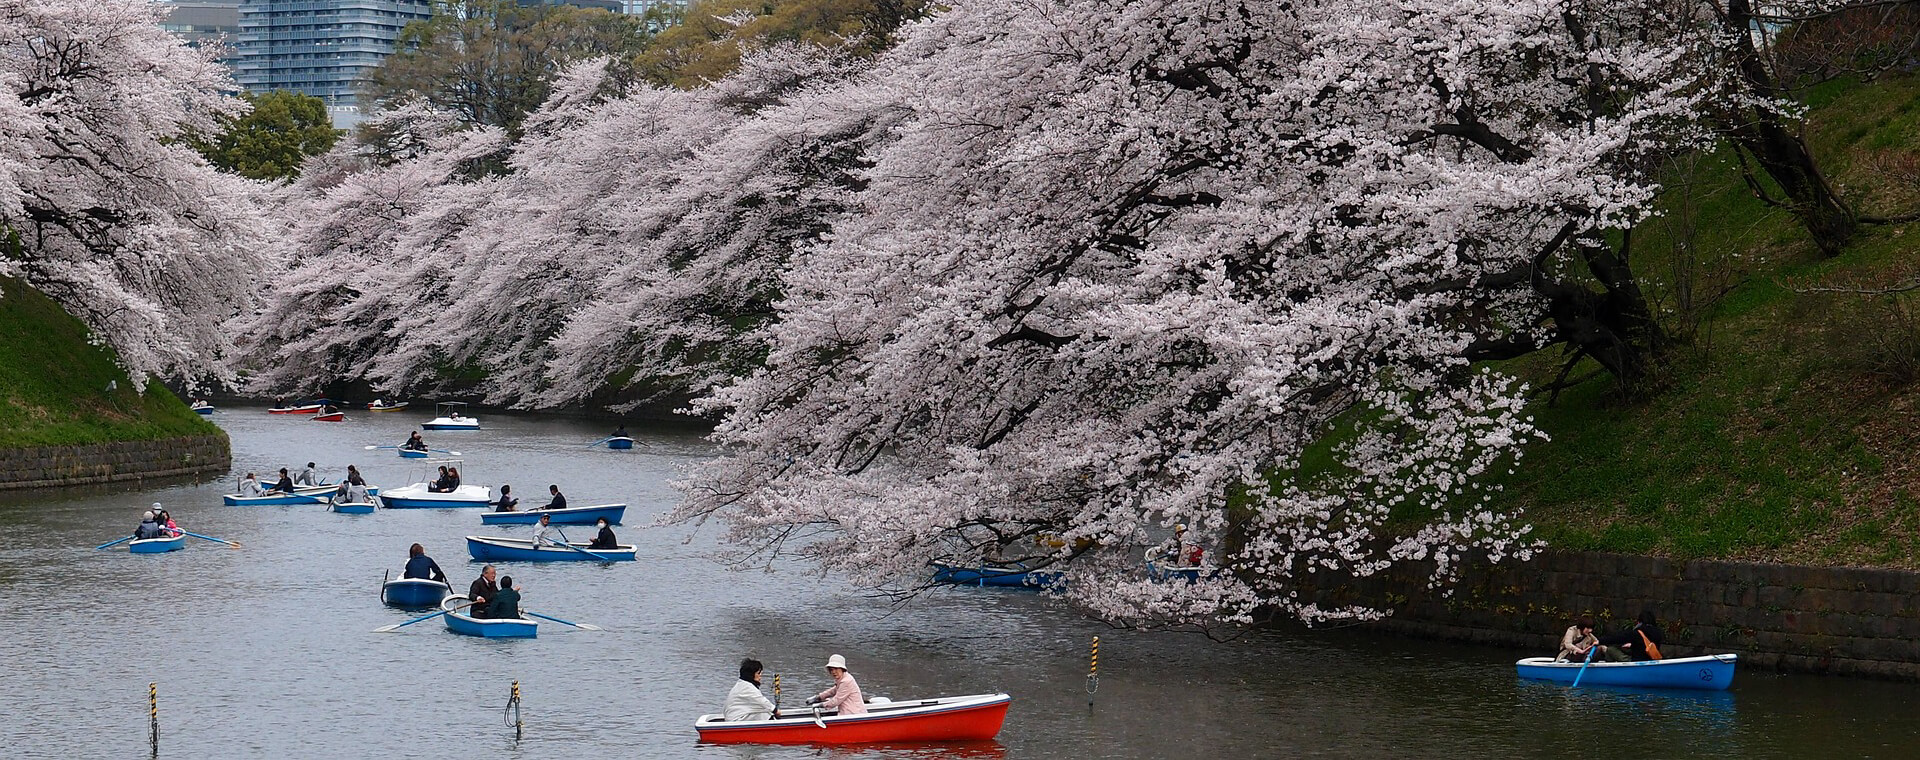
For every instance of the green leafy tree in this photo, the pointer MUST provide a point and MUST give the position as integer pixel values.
(494, 61)
(273, 139)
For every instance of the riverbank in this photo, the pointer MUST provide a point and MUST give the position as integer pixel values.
(70, 415)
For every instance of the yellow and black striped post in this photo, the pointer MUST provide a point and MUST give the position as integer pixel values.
(1093, 672)
(513, 703)
(153, 713)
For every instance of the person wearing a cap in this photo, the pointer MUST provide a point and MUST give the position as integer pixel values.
(844, 696)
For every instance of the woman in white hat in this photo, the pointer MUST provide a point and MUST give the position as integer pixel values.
(844, 696)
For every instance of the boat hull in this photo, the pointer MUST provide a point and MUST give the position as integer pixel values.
(619, 442)
(412, 454)
(390, 408)
(353, 508)
(970, 718)
(568, 516)
(449, 423)
(334, 417)
(157, 545)
(510, 628)
(203, 410)
(308, 409)
(1004, 576)
(413, 592)
(417, 496)
(1712, 672)
(300, 495)
(491, 549)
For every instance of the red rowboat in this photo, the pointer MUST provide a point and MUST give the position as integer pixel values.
(333, 417)
(308, 409)
(973, 717)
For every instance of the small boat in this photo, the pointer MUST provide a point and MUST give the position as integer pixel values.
(450, 418)
(413, 593)
(975, 717)
(301, 409)
(412, 454)
(157, 545)
(568, 516)
(487, 628)
(301, 495)
(380, 406)
(619, 442)
(1007, 575)
(1712, 672)
(330, 417)
(352, 507)
(417, 496)
(494, 549)
(201, 407)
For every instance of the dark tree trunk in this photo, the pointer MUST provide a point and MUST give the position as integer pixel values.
(1759, 132)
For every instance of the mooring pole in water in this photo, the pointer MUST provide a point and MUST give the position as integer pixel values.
(153, 714)
(1093, 673)
(513, 706)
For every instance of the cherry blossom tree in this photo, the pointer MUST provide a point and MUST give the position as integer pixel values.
(105, 207)
(1131, 265)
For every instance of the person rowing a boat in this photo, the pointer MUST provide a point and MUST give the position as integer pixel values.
(548, 534)
(250, 486)
(356, 486)
(559, 499)
(284, 484)
(149, 526)
(746, 702)
(507, 501)
(1639, 643)
(306, 477)
(605, 540)
(419, 565)
(843, 697)
(1578, 639)
(482, 592)
(414, 442)
(506, 601)
(620, 432)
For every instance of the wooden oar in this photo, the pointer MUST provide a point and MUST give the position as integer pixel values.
(389, 628)
(115, 541)
(371, 448)
(581, 626)
(234, 544)
(1583, 666)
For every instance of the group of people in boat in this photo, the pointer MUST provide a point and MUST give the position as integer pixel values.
(508, 502)
(545, 533)
(289, 482)
(746, 702)
(448, 482)
(1638, 643)
(352, 490)
(414, 442)
(490, 600)
(156, 523)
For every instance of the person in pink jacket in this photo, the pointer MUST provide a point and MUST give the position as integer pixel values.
(844, 696)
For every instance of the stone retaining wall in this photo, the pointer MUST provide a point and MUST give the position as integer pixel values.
(1848, 621)
(110, 462)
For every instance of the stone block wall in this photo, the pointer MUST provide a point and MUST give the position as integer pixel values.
(1847, 621)
(46, 466)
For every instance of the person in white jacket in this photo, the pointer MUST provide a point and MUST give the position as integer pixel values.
(746, 702)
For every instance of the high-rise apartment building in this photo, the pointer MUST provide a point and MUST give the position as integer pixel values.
(323, 48)
(206, 23)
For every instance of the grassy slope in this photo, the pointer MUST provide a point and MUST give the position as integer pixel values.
(53, 383)
(1789, 431)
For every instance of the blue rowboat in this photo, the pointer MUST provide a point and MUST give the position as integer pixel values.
(300, 495)
(568, 516)
(412, 454)
(417, 496)
(413, 592)
(202, 408)
(1010, 575)
(490, 549)
(1714, 671)
(486, 628)
(619, 442)
(352, 507)
(157, 545)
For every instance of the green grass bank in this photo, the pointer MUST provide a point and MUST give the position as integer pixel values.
(1788, 428)
(54, 383)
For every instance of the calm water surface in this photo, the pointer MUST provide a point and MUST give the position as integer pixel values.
(267, 651)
